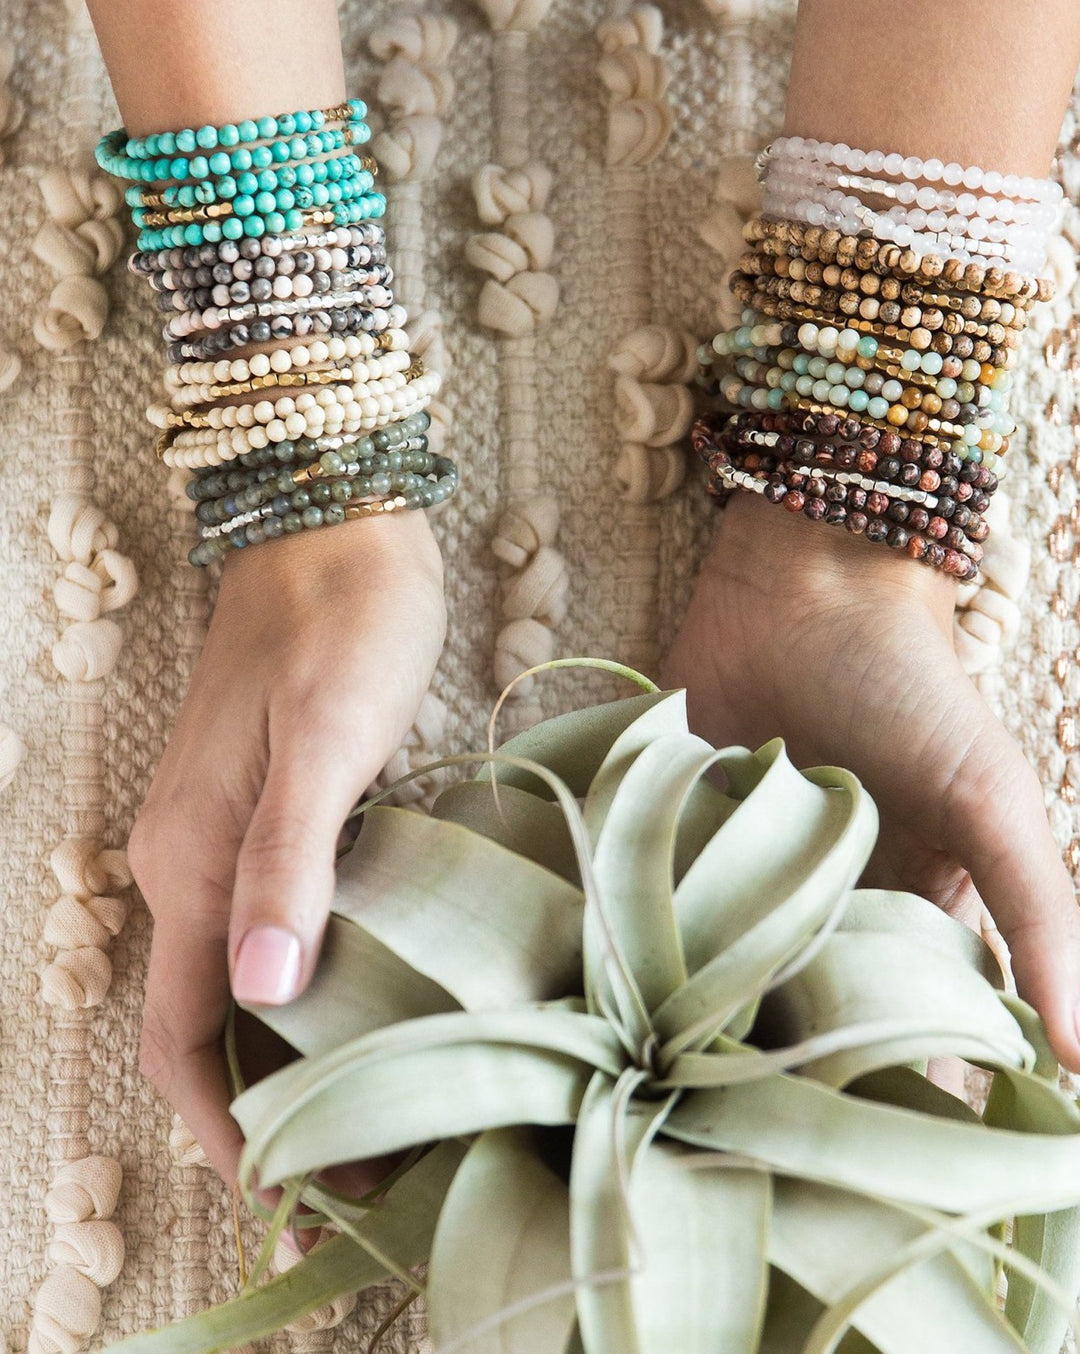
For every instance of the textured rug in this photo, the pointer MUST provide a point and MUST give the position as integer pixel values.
(567, 179)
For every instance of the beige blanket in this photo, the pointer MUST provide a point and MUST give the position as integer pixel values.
(565, 330)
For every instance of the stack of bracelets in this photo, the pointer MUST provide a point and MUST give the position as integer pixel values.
(886, 299)
(293, 398)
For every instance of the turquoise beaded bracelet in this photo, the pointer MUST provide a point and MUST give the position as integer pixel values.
(369, 207)
(250, 131)
(198, 167)
(310, 174)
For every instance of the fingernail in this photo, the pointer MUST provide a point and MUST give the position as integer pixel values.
(267, 968)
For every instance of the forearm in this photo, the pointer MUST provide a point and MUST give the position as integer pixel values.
(215, 61)
(976, 81)
(910, 79)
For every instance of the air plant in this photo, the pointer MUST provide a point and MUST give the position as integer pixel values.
(659, 1069)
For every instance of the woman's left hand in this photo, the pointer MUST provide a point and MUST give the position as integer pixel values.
(845, 650)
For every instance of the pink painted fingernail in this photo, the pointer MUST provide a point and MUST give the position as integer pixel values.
(267, 968)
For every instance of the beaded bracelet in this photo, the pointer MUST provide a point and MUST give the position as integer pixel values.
(902, 503)
(417, 487)
(936, 308)
(310, 175)
(853, 444)
(249, 131)
(224, 415)
(265, 205)
(284, 360)
(235, 488)
(837, 368)
(277, 240)
(190, 397)
(264, 153)
(849, 444)
(913, 317)
(215, 318)
(798, 175)
(916, 514)
(355, 320)
(219, 281)
(854, 278)
(209, 446)
(234, 227)
(370, 233)
(830, 246)
(877, 529)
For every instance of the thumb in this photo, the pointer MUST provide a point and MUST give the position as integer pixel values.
(996, 824)
(284, 881)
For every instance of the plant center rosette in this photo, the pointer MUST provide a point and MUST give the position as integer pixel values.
(659, 1069)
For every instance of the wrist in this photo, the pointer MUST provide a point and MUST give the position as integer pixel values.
(757, 545)
(331, 556)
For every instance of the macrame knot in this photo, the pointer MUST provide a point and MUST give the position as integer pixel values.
(988, 612)
(426, 734)
(735, 11)
(67, 1311)
(647, 474)
(83, 593)
(518, 307)
(322, 1318)
(503, 192)
(73, 197)
(637, 78)
(638, 130)
(95, 1249)
(656, 352)
(75, 312)
(78, 529)
(1061, 267)
(12, 751)
(77, 979)
(539, 590)
(642, 27)
(526, 242)
(518, 16)
(84, 1189)
(523, 528)
(87, 250)
(654, 414)
(88, 650)
(11, 106)
(84, 867)
(80, 241)
(521, 645)
(409, 147)
(185, 1148)
(72, 923)
(426, 339)
(10, 366)
(736, 198)
(407, 90)
(424, 39)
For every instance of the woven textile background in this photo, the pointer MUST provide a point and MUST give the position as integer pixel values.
(533, 411)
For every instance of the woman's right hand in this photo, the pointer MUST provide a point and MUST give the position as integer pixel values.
(319, 653)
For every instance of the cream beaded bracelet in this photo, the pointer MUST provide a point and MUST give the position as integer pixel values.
(362, 377)
(205, 447)
(299, 357)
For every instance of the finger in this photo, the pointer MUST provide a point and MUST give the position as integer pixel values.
(903, 861)
(285, 868)
(995, 822)
(187, 995)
